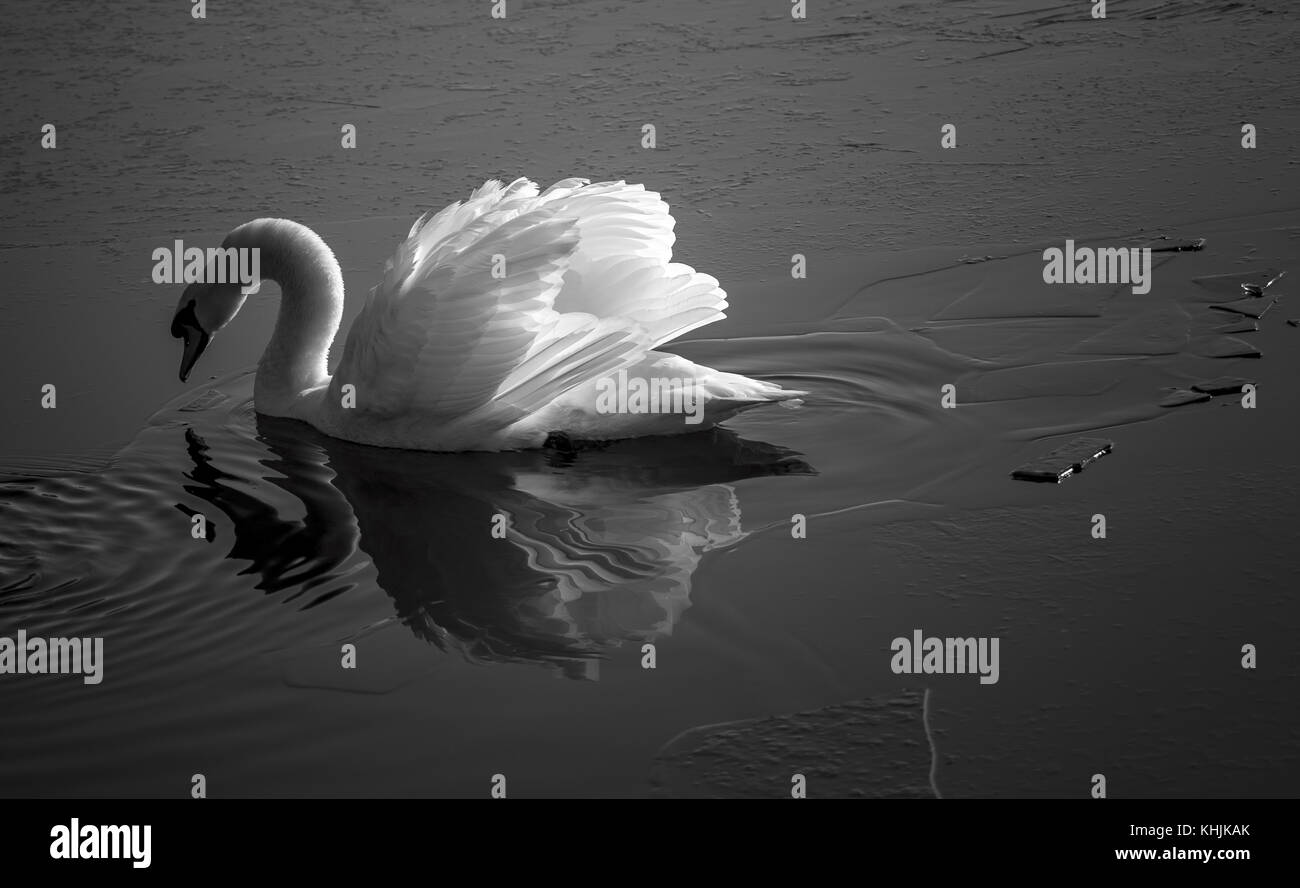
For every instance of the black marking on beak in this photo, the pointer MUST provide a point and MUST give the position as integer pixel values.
(186, 326)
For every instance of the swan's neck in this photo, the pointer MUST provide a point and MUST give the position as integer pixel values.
(311, 306)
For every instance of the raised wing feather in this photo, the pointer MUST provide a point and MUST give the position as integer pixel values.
(623, 267)
(494, 307)
(441, 332)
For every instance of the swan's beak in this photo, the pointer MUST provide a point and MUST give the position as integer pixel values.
(185, 325)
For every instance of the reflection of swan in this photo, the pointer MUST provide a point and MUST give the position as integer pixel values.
(600, 546)
(499, 321)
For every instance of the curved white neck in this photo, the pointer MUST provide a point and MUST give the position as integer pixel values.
(311, 307)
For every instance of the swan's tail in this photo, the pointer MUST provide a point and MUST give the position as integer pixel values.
(730, 394)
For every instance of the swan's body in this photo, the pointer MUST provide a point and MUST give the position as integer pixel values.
(499, 321)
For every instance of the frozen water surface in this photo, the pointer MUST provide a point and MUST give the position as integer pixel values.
(524, 655)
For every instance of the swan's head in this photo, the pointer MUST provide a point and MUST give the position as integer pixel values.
(203, 310)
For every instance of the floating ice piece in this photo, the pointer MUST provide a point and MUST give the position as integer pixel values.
(1179, 397)
(1222, 385)
(1227, 347)
(1176, 247)
(1253, 307)
(876, 747)
(1242, 326)
(1064, 461)
(1234, 284)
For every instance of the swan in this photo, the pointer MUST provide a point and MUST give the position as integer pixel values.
(500, 321)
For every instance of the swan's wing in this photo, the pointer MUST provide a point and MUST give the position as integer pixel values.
(622, 265)
(464, 319)
(573, 348)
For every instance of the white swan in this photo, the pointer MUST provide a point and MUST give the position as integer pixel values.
(499, 321)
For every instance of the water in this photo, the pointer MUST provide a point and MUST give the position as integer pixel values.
(523, 655)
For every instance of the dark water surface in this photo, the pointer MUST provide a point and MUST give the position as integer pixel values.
(522, 655)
